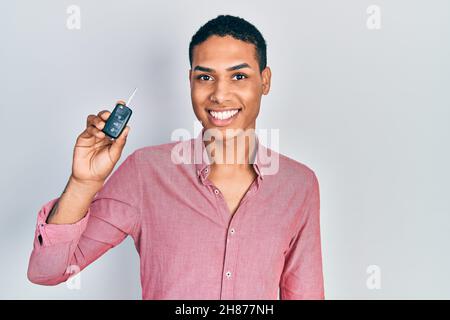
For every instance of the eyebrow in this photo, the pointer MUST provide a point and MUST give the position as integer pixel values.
(237, 67)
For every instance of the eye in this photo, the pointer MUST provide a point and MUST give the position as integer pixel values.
(240, 76)
(204, 77)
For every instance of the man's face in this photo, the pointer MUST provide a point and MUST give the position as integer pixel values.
(225, 76)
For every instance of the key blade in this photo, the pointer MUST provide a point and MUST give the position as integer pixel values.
(131, 97)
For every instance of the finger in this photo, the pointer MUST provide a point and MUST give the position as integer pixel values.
(93, 131)
(119, 143)
(121, 102)
(85, 134)
(98, 122)
(89, 120)
(104, 114)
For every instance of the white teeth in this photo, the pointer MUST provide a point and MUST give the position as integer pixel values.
(223, 115)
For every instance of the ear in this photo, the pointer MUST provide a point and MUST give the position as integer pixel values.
(266, 76)
(190, 74)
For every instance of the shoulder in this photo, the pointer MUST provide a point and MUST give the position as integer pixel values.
(155, 154)
(296, 167)
(296, 172)
(163, 158)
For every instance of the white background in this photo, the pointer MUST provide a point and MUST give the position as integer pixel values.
(367, 110)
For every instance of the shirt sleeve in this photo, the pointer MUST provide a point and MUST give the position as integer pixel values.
(62, 250)
(302, 276)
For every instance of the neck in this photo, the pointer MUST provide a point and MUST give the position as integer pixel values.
(233, 154)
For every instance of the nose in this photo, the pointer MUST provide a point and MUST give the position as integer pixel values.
(220, 92)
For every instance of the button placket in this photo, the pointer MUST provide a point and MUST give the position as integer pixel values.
(231, 233)
(42, 232)
(230, 261)
(226, 277)
(231, 246)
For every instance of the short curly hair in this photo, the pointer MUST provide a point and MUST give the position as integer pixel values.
(236, 27)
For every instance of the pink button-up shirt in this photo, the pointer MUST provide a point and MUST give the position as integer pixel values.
(190, 246)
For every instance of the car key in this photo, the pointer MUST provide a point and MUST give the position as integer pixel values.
(118, 119)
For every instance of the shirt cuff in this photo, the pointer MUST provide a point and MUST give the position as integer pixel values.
(49, 234)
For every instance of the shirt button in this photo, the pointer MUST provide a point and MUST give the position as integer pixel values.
(228, 274)
(216, 191)
(232, 231)
(206, 170)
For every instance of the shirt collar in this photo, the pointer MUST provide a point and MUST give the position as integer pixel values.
(202, 160)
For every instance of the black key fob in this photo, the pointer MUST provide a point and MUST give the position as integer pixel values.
(117, 121)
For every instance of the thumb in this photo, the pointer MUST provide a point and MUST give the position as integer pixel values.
(119, 143)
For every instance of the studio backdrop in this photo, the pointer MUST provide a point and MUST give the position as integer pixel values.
(360, 94)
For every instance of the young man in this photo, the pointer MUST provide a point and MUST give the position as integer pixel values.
(204, 229)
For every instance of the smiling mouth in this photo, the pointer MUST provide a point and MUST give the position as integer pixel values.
(224, 115)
